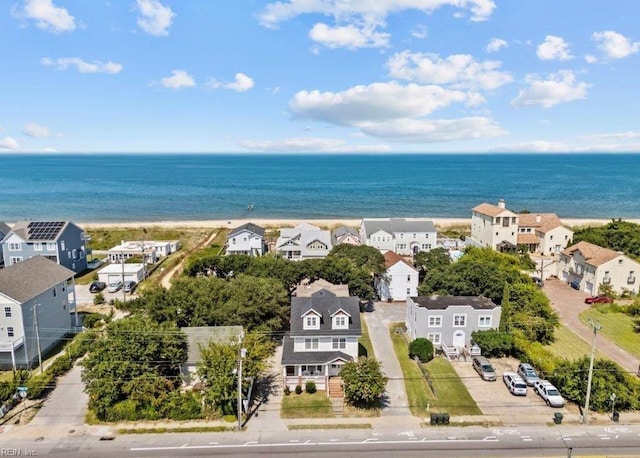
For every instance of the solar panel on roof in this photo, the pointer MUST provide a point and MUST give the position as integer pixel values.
(44, 230)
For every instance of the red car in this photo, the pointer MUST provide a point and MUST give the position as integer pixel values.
(598, 300)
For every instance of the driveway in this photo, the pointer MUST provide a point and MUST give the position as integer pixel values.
(378, 322)
(493, 398)
(569, 303)
(67, 403)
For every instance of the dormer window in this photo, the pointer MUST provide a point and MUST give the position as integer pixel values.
(311, 320)
(340, 321)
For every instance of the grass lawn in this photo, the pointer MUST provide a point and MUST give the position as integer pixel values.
(364, 343)
(617, 327)
(105, 238)
(451, 394)
(316, 405)
(569, 345)
(418, 391)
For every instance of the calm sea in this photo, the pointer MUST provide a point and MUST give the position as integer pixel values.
(148, 187)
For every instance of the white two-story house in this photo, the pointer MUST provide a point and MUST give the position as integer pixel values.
(323, 336)
(304, 241)
(403, 236)
(398, 281)
(494, 227)
(247, 239)
(543, 233)
(449, 321)
(588, 266)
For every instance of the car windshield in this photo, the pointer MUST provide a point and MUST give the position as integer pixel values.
(553, 392)
(520, 385)
(529, 372)
(487, 368)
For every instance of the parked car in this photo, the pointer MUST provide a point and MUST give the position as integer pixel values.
(548, 393)
(598, 300)
(130, 286)
(115, 286)
(515, 384)
(575, 284)
(484, 368)
(97, 286)
(528, 373)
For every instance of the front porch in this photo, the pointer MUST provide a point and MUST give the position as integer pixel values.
(325, 376)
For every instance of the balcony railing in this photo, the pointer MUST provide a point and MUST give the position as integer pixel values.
(574, 271)
(606, 280)
(631, 280)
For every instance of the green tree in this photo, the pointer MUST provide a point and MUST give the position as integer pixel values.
(422, 348)
(494, 344)
(364, 382)
(617, 235)
(366, 257)
(507, 312)
(425, 261)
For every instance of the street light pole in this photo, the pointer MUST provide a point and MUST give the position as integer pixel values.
(596, 327)
(35, 320)
(124, 293)
(243, 353)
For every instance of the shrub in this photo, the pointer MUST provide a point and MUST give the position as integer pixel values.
(7, 390)
(90, 320)
(633, 309)
(421, 348)
(298, 389)
(287, 391)
(182, 406)
(60, 366)
(126, 410)
(494, 344)
(364, 382)
(310, 387)
(98, 299)
(39, 385)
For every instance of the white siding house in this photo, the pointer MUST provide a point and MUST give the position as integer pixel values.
(398, 281)
(589, 266)
(543, 233)
(121, 272)
(400, 235)
(493, 225)
(304, 241)
(247, 239)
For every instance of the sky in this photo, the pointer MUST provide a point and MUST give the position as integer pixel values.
(330, 76)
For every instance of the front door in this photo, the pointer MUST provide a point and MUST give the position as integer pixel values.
(334, 369)
(458, 338)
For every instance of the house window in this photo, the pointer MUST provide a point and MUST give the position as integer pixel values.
(551, 237)
(408, 291)
(409, 278)
(54, 292)
(69, 254)
(62, 245)
(484, 321)
(401, 235)
(37, 246)
(460, 320)
(434, 337)
(340, 321)
(311, 322)
(74, 254)
(414, 236)
(498, 220)
(312, 370)
(15, 246)
(311, 344)
(435, 321)
(339, 344)
(233, 241)
(10, 331)
(7, 312)
(51, 245)
(426, 246)
(15, 260)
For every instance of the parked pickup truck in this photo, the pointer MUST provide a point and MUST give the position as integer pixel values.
(548, 393)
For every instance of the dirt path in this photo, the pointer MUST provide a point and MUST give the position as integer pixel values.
(169, 274)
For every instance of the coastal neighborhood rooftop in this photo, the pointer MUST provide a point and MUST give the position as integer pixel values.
(443, 302)
(593, 254)
(31, 277)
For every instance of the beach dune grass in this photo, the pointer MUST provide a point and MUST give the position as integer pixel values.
(305, 405)
(617, 327)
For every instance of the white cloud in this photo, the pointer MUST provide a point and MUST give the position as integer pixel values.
(280, 11)
(82, 66)
(349, 36)
(35, 130)
(48, 16)
(459, 70)
(573, 146)
(241, 83)
(395, 112)
(558, 88)
(553, 48)
(496, 44)
(8, 143)
(615, 45)
(540, 146)
(419, 31)
(154, 17)
(590, 59)
(178, 80)
(311, 144)
(612, 136)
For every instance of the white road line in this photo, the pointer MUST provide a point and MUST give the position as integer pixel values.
(334, 440)
(605, 438)
(370, 439)
(294, 440)
(250, 443)
(214, 443)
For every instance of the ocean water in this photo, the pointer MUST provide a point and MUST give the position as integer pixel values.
(145, 187)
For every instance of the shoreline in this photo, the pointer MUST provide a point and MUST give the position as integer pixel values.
(326, 222)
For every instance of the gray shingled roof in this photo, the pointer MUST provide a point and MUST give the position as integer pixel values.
(250, 227)
(26, 279)
(325, 303)
(443, 302)
(202, 335)
(308, 357)
(395, 225)
(4, 229)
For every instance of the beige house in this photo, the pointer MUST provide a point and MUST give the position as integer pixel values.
(543, 233)
(587, 266)
(494, 226)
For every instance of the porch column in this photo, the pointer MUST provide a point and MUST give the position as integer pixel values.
(13, 358)
(75, 301)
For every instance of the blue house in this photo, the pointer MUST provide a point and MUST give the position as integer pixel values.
(4, 230)
(60, 241)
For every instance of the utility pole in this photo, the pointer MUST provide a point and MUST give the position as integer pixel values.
(35, 320)
(596, 327)
(243, 353)
(124, 293)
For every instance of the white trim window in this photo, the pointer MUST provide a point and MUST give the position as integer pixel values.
(15, 246)
(340, 322)
(339, 343)
(51, 246)
(15, 260)
(484, 321)
(10, 331)
(311, 344)
(7, 312)
(434, 337)
(460, 320)
(311, 321)
(435, 321)
(37, 246)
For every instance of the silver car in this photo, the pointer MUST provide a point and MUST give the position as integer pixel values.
(515, 384)
(115, 286)
(484, 368)
(528, 374)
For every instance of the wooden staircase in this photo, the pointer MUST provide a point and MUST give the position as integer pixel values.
(336, 394)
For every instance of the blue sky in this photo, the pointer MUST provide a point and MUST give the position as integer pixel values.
(319, 76)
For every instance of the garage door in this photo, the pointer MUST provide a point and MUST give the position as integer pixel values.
(114, 278)
(589, 287)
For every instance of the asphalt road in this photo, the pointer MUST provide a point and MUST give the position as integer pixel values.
(432, 441)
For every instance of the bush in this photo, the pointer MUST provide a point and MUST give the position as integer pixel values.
(493, 343)
(364, 382)
(287, 391)
(60, 366)
(633, 309)
(39, 385)
(90, 320)
(421, 348)
(310, 387)
(182, 406)
(98, 299)
(7, 390)
(298, 389)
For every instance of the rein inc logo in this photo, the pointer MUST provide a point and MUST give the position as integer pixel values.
(17, 452)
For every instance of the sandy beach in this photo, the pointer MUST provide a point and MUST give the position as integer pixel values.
(330, 223)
